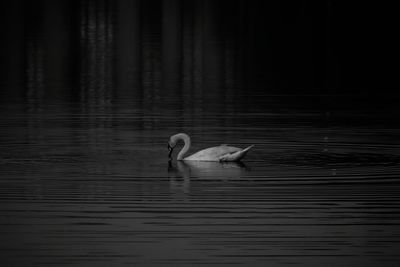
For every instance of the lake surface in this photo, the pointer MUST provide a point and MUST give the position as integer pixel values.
(90, 184)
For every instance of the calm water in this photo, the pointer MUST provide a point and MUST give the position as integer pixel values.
(90, 184)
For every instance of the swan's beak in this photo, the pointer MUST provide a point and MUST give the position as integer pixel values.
(170, 148)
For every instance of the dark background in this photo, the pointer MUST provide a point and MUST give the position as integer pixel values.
(77, 50)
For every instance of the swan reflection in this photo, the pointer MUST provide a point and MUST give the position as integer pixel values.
(181, 173)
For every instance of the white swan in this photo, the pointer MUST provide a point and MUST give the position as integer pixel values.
(217, 153)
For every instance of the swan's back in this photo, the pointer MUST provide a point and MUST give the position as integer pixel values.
(214, 153)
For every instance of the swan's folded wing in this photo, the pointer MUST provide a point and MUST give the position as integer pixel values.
(235, 156)
(213, 153)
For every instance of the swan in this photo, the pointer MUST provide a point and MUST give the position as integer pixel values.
(218, 153)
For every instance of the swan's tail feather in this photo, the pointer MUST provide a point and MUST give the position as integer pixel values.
(236, 156)
(247, 148)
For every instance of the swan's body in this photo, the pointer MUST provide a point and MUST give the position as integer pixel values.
(217, 153)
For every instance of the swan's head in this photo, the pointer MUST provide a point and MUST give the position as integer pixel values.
(171, 146)
(170, 149)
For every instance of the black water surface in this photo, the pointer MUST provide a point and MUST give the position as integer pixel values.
(92, 186)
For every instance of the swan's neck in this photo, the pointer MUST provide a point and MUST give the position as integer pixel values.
(186, 147)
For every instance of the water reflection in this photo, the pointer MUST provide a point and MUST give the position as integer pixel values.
(179, 177)
(207, 169)
(96, 37)
(93, 181)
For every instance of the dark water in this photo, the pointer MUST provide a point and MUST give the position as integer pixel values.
(91, 185)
